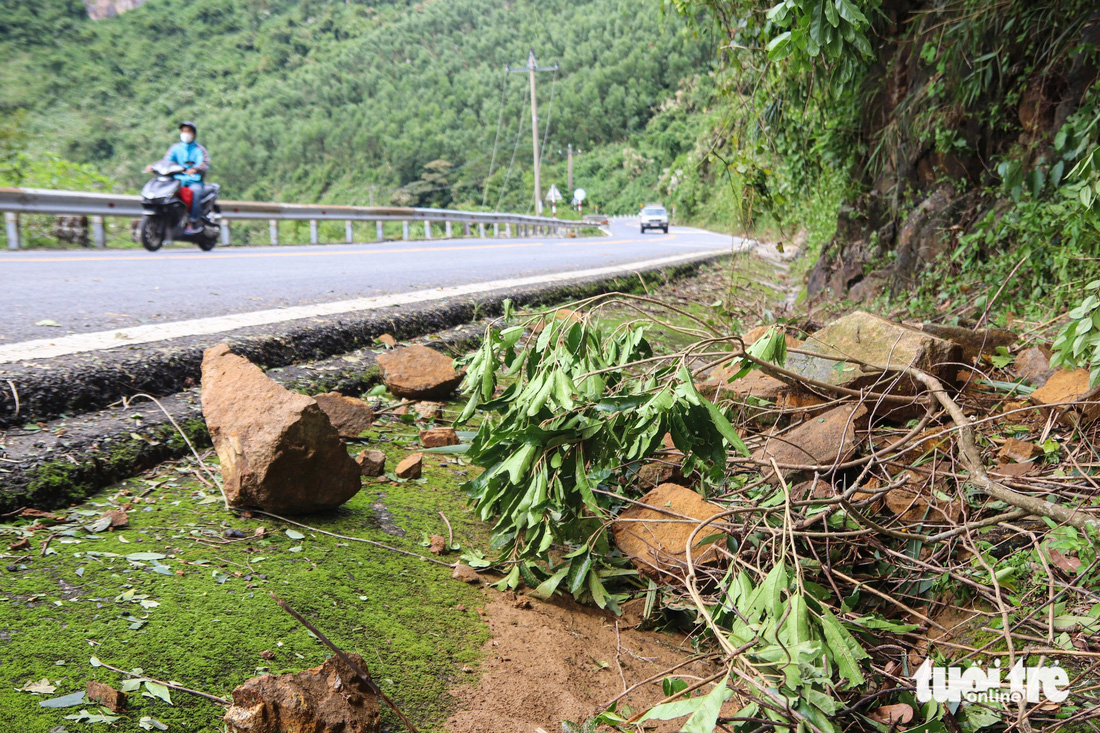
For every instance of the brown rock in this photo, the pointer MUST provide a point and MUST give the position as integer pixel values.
(658, 547)
(267, 654)
(428, 410)
(821, 441)
(1018, 451)
(466, 574)
(1065, 385)
(411, 466)
(119, 518)
(371, 462)
(106, 696)
(418, 372)
(438, 437)
(326, 699)
(916, 503)
(437, 545)
(663, 469)
(278, 450)
(388, 340)
(350, 416)
(874, 341)
(1033, 366)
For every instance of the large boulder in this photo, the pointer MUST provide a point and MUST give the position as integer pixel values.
(418, 373)
(327, 699)
(350, 416)
(278, 449)
(875, 341)
(821, 441)
(657, 545)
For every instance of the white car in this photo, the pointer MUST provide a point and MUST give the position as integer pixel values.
(654, 217)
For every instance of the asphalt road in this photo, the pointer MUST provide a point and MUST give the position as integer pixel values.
(90, 291)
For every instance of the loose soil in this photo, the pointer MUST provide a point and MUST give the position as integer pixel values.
(549, 662)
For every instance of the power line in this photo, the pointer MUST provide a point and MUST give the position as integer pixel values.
(500, 119)
(515, 147)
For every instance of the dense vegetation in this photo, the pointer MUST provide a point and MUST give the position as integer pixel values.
(344, 101)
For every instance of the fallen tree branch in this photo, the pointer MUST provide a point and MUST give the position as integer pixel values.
(169, 685)
(971, 459)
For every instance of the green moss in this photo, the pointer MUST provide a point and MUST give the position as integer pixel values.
(215, 618)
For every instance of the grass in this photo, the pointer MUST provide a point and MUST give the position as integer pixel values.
(214, 616)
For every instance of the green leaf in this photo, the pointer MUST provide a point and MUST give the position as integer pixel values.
(157, 690)
(846, 651)
(703, 710)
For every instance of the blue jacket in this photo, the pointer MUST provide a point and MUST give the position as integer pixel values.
(189, 155)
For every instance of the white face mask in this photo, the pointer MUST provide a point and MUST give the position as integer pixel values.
(186, 137)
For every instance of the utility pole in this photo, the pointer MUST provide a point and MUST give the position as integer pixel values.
(531, 68)
(570, 149)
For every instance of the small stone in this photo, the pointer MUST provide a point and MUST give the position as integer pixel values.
(119, 518)
(460, 608)
(438, 437)
(411, 466)
(106, 696)
(267, 654)
(417, 372)
(466, 574)
(429, 410)
(437, 545)
(233, 534)
(371, 462)
(259, 532)
(388, 340)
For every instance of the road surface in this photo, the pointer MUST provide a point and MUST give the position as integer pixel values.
(90, 291)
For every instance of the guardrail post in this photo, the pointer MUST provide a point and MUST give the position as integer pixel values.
(427, 230)
(99, 233)
(447, 230)
(496, 229)
(313, 231)
(481, 229)
(225, 232)
(273, 226)
(465, 228)
(405, 230)
(12, 221)
(349, 233)
(508, 230)
(379, 231)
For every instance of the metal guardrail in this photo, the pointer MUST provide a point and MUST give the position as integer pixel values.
(96, 206)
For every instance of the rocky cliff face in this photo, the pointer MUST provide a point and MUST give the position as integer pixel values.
(100, 9)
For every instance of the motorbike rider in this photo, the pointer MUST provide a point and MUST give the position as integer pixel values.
(196, 161)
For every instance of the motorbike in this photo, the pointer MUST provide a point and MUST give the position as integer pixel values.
(165, 214)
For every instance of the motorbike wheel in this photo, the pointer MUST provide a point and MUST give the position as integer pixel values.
(152, 232)
(206, 243)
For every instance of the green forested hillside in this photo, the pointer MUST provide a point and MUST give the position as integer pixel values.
(325, 99)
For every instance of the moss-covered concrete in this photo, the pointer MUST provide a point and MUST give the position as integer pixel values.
(214, 616)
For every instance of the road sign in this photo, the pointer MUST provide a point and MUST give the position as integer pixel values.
(553, 195)
(579, 195)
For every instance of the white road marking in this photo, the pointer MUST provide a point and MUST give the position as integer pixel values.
(101, 340)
